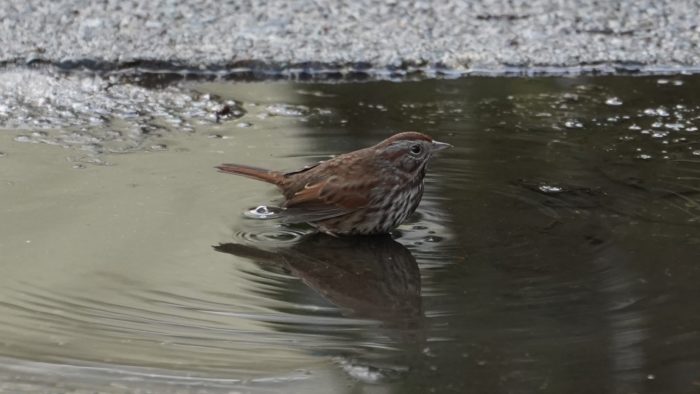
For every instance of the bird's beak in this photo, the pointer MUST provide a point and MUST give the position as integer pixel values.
(438, 146)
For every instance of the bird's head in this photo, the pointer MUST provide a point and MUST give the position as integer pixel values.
(410, 151)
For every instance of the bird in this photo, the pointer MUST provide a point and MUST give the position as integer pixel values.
(368, 191)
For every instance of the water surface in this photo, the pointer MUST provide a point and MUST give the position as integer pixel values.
(555, 249)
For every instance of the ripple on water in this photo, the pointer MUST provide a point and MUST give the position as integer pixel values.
(280, 236)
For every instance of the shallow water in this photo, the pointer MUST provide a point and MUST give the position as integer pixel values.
(555, 250)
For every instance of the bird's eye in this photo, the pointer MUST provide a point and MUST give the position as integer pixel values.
(416, 149)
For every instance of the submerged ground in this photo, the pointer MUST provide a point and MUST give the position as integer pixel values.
(555, 249)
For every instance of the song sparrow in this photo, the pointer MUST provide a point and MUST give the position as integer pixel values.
(367, 191)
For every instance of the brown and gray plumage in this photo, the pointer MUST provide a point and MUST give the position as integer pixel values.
(367, 191)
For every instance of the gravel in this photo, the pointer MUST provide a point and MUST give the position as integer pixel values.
(452, 36)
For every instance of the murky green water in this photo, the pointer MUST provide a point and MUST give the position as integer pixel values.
(556, 249)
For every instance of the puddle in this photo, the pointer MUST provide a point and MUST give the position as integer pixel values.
(555, 249)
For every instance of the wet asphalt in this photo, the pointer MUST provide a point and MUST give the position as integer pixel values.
(485, 36)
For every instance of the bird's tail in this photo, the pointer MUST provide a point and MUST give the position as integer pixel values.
(260, 174)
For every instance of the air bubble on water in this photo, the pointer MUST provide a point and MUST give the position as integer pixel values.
(674, 126)
(287, 110)
(677, 82)
(613, 101)
(696, 152)
(159, 147)
(550, 189)
(635, 127)
(244, 124)
(662, 81)
(573, 124)
(432, 238)
(659, 134)
(365, 373)
(657, 125)
(692, 128)
(644, 156)
(626, 138)
(263, 212)
(661, 111)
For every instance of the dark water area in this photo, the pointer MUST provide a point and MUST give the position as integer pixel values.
(556, 249)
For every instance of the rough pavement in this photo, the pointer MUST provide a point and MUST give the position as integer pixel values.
(455, 36)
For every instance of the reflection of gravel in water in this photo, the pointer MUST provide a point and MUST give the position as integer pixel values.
(98, 114)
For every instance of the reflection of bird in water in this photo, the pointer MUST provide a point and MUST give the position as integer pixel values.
(372, 276)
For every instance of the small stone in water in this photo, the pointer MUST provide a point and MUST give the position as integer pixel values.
(262, 212)
(23, 138)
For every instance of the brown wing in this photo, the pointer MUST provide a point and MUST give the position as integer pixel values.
(326, 199)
